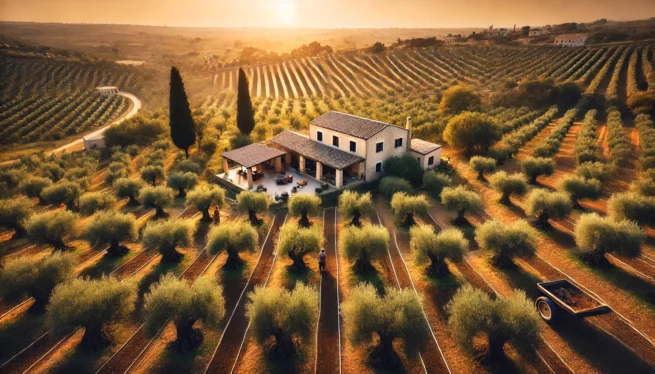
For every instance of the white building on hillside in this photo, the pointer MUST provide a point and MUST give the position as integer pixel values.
(92, 142)
(571, 40)
(107, 90)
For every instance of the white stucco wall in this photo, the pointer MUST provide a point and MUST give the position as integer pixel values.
(388, 136)
(344, 140)
(423, 159)
(92, 144)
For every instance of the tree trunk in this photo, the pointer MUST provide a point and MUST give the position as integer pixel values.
(59, 244)
(94, 338)
(596, 258)
(160, 212)
(19, 231)
(115, 249)
(533, 179)
(188, 338)
(40, 302)
(438, 267)
(154, 182)
(460, 219)
(252, 216)
(409, 220)
(186, 152)
(576, 204)
(133, 200)
(496, 352)
(363, 264)
(505, 199)
(383, 353)
(170, 255)
(233, 260)
(355, 221)
(283, 348)
(181, 192)
(298, 265)
(206, 217)
(304, 221)
(481, 176)
(542, 221)
(502, 261)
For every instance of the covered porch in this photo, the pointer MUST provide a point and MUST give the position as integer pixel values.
(250, 164)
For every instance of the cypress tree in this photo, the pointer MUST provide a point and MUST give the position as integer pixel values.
(245, 116)
(183, 131)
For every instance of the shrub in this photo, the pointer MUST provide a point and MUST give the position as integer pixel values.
(596, 235)
(137, 130)
(129, 188)
(536, 166)
(235, 238)
(184, 304)
(448, 244)
(66, 193)
(579, 188)
(405, 167)
(472, 132)
(510, 320)
(508, 184)
(208, 146)
(204, 196)
(92, 202)
(32, 186)
(165, 236)
(297, 242)
(91, 304)
(365, 313)
(434, 182)
(644, 186)
(51, 228)
(152, 173)
(460, 200)
(14, 214)
(182, 182)
(110, 227)
(285, 315)
(133, 150)
(390, 185)
(632, 207)
(51, 171)
(482, 165)
(457, 99)
(302, 205)
(544, 205)
(405, 207)
(188, 166)
(353, 206)
(36, 278)
(115, 171)
(594, 170)
(507, 241)
(252, 203)
(157, 198)
(363, 245)
(162, 144)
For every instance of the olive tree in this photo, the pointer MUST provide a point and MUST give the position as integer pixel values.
(517, 239)
(460, 200)
(596, 235)
(115, 171)
(363, 245)
(184, 304)
(632, 207)
(297, 242)
(14, 214)
(52, 227)
(508, 184)
(405, 207)
(579, 188)
(165, 236)
(13, 177)
(397, 315)
(434, 182)
(91, 304)
(644, 186)
(51, 171)
(35, 277)
(66, 193)
(287, 316)
(533, 167)
(482, 165)
(158, 198)
(353, 206)
(253, 203)
(391, 185)
(594, 170)
(509, 320)
(426, 244)
(544, 205)
(303, 205)
(204, 196)
(32, 186)
(235, 238)
(92, 202)
(125, 187)
(111, 227)
(182, 182)
(152, 173)
(471, 132)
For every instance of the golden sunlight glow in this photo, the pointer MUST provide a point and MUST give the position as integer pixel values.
(284, 12)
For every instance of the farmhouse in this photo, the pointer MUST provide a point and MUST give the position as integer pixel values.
(571, 40)
(94, 141)
(107, 90)
(341, 149)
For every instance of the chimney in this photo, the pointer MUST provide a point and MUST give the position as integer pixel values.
(408, 126)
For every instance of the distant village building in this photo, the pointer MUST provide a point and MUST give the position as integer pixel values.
(492, 33)
(571, 40)
(536, 32)
(107, 90)
(452, 39)
(92, 142)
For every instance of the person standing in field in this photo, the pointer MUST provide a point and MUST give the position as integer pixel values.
(321, 260)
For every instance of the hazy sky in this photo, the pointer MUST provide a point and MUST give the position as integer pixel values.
(324, 13)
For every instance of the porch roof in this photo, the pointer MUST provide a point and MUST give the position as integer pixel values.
(252, 154)
(314, 150)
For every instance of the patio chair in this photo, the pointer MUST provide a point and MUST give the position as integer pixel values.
(302, 183)
(279, 180)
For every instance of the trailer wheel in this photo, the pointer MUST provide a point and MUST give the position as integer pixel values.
(546, 308)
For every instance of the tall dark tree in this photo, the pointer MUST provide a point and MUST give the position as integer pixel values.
(245, 116)
(183, 132)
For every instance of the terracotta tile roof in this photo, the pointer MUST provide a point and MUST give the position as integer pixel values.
(252, 154)
(314, 150)
(423, 147)
(349, 124)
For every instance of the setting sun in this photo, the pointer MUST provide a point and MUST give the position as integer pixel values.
(284, 12)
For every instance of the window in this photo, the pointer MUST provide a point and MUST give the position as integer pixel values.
(419, 160)
(379, 147)
(398, 143)
(353, 146)
(335, 141)
(431, 161)
(378, 167)
(319, 136)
